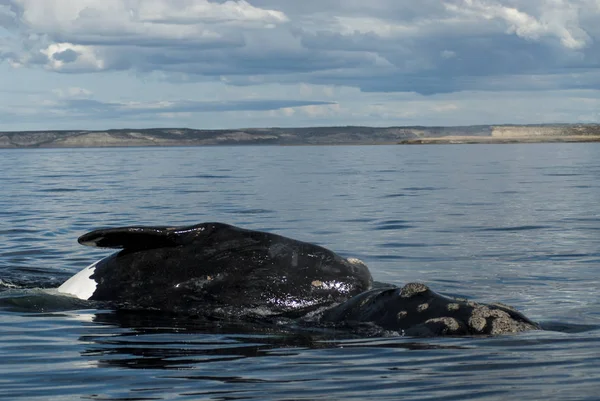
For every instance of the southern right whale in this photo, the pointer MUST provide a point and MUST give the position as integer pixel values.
(223, 271)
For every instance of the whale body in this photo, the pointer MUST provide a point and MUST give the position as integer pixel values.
(215, 265)
(222, 271)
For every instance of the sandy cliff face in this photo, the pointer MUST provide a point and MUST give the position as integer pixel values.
(544, 131)
(97, 139)
(5, 142)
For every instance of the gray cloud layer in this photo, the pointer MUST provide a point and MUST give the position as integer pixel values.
(87, 106)
(428, 47)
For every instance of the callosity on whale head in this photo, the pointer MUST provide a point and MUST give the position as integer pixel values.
(415, 310)
(198, 268)
(218, 270)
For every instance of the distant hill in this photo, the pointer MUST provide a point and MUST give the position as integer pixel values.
(349, 135)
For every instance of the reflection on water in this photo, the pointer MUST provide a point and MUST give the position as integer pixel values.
(515, 223)
(99, 352)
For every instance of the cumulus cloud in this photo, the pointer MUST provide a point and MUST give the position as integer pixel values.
(556, 18)
(427, 47)
(73, 58)
(376, 46)
(191, 12)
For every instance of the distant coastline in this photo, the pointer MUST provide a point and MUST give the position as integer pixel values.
(348, 135)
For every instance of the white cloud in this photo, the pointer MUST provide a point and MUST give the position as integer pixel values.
(116, 34)
(74, 58)
(194, 11)
(320, 110)
(365, 25)
(556, 18)
(370, 62)
(73, 92)
(448, 54)
(445, 107)
(144, 21)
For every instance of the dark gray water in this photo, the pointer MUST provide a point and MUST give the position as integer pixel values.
(519, 224)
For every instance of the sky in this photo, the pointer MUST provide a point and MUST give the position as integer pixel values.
(100, 64)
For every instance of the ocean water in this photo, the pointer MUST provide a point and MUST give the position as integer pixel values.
(518, 224)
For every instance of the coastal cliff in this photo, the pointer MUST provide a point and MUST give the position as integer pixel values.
(521, 134)
(350, 135)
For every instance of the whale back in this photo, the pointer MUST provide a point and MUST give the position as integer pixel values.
(215, 265)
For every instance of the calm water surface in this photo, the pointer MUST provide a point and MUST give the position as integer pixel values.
(519, 224)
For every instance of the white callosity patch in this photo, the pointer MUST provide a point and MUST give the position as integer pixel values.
(356, 261)
(81, 285)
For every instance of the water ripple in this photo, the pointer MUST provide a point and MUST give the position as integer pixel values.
(516, 224)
